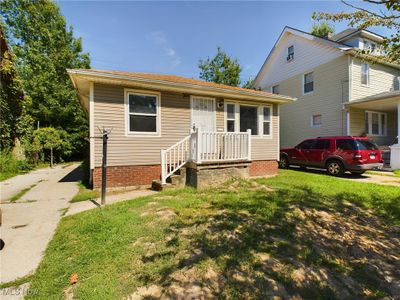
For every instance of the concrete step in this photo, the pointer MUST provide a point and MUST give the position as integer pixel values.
(156, 185)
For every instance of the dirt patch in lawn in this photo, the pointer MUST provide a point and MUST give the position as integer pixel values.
(308, 253)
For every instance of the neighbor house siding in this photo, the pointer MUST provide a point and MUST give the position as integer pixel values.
(330, 92)
(357, 126)
(109, 112)
(381, 79)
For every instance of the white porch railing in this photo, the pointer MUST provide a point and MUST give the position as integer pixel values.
(205, 147)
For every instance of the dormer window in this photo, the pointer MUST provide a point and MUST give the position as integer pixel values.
(290, 53)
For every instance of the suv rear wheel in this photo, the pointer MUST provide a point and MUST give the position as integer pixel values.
(335, 167)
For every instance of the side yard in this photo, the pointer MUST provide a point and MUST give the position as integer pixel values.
(298, 235)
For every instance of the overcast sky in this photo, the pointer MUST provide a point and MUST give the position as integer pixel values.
(171, 37)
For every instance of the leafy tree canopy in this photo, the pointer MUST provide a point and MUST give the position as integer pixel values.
(387, 15)
(323, 29)
(44, 49)
(221, 69)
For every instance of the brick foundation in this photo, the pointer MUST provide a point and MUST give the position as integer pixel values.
(263, 167)
(123, 176)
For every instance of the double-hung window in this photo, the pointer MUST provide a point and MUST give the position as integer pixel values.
(275, 89)
(308, 83)
(143, 113)
(316, 120)
(266, 120)
(375, 123)
(230, 117)
(290, 53)
(365, 74)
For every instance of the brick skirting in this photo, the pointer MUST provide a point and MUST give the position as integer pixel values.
(124, 176)
(263, 167)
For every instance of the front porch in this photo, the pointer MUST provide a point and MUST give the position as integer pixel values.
(222, 153)
(377, 117)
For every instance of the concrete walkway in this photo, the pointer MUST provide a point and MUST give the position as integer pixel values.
(78, 207)
(30, 223)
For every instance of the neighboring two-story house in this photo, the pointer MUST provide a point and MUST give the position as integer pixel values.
(341, 86)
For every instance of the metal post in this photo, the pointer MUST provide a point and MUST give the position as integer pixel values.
(104, 169)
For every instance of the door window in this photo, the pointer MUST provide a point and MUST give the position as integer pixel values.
(306, 145)
(321, 145)
(249, 119)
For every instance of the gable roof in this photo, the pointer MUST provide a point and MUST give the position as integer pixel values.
(81, 79)
(306, 35)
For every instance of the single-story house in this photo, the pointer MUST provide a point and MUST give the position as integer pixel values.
(161, 123)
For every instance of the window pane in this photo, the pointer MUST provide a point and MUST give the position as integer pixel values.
(230, 126)
(231, 111)
(275, 89)
(306, 145)
(142, 104)
(316, 120)
(383, 124)
(321, 144)
(308, 83)
(364, 73)
(249, 119)
(290, 50)
(308, 78)
(366, 145)
(375, 123)
(346, 144)
(267, 114)
(142, 123)
(267, 128)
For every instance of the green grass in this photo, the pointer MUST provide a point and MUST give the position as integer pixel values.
(22, 192)
(117, 249)
(397, 173)
(84, 193)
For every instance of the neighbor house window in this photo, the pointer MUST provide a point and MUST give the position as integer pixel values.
(375, 123)
(308, 83)
(316, 120)
(275, 89)
(266, 120)
(143, 112)
(365, 73)
(290, 53)
(249, 119)
(230, 117)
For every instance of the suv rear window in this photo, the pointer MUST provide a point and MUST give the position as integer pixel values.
(349, 144)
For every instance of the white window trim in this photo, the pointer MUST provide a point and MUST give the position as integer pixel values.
(237, 128)
(260, 118)
(312, 121)
(368, 74)
(129, 133)
(192, 97)
(272, 89)
(369, 113)
(303, 82)
(287, 53)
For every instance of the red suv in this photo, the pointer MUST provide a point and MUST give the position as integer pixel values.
(335, 154)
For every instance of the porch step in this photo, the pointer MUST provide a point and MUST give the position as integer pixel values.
(156, 185)
(174, 181)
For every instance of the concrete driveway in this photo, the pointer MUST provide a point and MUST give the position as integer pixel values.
(30, 223)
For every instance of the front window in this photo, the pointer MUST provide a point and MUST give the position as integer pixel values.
(230, 117)
(275, 89)
(266, 120)
(316, 120)
(375, 123)
(290, 53)
(365, 74)
(308, 83)
(249, 119)
(142, 113)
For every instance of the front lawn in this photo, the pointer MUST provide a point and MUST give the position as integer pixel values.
(297, 234)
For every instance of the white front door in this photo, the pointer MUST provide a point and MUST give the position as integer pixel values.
(203, 113)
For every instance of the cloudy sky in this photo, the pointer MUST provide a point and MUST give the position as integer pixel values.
(170, 37)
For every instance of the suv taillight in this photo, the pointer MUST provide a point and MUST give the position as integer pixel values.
(357, 156)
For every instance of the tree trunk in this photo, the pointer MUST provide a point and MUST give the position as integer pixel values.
(51, 157)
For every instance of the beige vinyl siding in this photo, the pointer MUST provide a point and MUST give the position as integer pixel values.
(357, 126)
(381, 79)
(109, 112)
(330, 92)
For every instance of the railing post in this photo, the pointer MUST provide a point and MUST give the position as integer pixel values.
(199, 145)
(249, 144)
(163, 168)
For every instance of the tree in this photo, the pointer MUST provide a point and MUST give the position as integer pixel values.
(248, 84)
(323, 30)
(45, 48)
(221, 69)
(47, 138)
(387, 15)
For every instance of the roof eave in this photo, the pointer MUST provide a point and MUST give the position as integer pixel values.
(183, 87)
